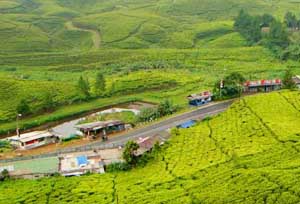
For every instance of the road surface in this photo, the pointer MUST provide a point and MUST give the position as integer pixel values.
(148, 131)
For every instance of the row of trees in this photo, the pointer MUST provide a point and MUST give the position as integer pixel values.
(274, 37)
(279, 37)
(84, 86)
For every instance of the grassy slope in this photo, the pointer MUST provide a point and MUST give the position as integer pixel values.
(38, 48)
(245, 155)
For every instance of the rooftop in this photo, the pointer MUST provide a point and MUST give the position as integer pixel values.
(81, 163)
(263, 83)
(145, 144)
(31, 136)
(99, 124)
(296, 79)
(203, 95)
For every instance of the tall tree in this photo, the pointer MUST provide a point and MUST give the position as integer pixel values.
(266, 20)
(248, 26)
(100, 84)
(84, 87)
(288, 82)
(232, 86)
(129, 152)
(278, 36)
(290, 20)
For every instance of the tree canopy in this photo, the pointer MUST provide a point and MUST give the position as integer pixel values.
(100, 84)
(84, 87)
(129, 152)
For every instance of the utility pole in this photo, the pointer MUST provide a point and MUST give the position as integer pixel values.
(221, 87)
(18, 129)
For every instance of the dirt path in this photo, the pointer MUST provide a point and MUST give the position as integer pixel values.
(96, 37)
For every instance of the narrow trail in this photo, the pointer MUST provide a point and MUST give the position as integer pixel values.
(96, 37)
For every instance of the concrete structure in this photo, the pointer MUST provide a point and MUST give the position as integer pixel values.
(296, 79)
(77, 164)
(101, 128)
(200, 99)
(33, 139)
(262, 85)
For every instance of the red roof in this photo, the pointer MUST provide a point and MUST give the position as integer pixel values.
(263, 82)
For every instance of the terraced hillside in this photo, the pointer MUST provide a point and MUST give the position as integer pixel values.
(249, 154)
(46, 45)
(35, 25)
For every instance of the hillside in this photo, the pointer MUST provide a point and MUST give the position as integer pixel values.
(249, 154)
(47, 45)
(64, 25)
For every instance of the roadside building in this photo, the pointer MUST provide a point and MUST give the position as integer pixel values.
(262, 86)
(33, 139)
(200, 98)
(296, 79)
(77, 164)
(101, 128)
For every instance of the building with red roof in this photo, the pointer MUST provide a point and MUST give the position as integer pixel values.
(262, 85)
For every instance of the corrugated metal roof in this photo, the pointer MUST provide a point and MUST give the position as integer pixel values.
(99, 124)
(263, 83)
(26, 137)
(203, 95)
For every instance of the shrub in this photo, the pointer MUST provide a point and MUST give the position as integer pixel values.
(118, 166)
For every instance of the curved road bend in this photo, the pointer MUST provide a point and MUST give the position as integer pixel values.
(151, 130)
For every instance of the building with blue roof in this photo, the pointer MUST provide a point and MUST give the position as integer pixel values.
(82, 161)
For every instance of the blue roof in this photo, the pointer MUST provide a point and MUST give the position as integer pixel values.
(82, 160)
(187, 124)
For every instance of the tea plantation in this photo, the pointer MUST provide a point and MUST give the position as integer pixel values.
(148, 50)
(248, 154)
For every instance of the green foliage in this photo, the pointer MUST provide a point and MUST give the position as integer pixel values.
(291, 52)
(232, 86)
(148, 114)
(4, 175)
(23, 108)
(166, 107)
(48, 103)
(5, 146)
(244, 155)
(129, 153)
(117, 167)
(278, 36)
(288, 82)
(100, 84)
(84, 87)
(248, 26)
(290, 20)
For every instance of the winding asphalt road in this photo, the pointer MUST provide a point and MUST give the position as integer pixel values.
(151, 130)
